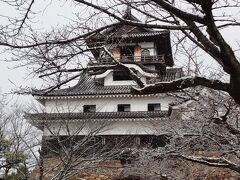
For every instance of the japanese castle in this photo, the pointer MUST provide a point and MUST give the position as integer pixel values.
(102, 104)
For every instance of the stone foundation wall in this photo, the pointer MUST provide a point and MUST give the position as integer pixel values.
(102, 171)
(174, 168)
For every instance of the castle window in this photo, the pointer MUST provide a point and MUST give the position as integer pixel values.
(123, 107)
(103, 141)
(89, 108)
(105, 58)
(120, 75)
(127, 51)
(145, 52)
(159, 141)
(154, 107)
(99, 140)
(137, 141)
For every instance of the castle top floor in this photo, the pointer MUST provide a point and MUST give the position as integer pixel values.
(129, 43)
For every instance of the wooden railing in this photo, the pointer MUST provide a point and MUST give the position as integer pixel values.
(139, 59)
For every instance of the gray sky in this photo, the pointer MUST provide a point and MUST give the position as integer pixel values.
(53, 14)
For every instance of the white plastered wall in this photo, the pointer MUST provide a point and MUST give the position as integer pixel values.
(105, 104)
(103, 128)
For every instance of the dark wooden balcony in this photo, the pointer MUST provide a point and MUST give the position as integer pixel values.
(52, 145)
(128, 59)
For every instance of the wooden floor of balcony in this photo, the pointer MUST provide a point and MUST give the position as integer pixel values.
(127, 59)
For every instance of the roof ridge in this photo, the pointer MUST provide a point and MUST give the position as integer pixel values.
(128, 14)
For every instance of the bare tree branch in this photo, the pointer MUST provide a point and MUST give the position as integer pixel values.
(180, 84)
(212, 162)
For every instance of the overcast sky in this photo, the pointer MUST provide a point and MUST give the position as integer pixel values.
(51, 14)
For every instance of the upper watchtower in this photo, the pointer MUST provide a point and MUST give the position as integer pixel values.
(133, 44)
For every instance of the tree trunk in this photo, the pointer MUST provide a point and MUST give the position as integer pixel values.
(235, 88)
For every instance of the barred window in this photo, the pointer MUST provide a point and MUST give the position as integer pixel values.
(123, 107)
(145, 52)
(154, 107)
(120, 75)
(89, 108)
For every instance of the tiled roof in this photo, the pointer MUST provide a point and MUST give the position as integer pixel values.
(171, 74)
(125, 33)
(95, 115)
(128, 31)
(140, 34)
(87, 85)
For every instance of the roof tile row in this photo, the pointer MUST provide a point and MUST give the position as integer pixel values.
(87, 85)
(96, 115)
